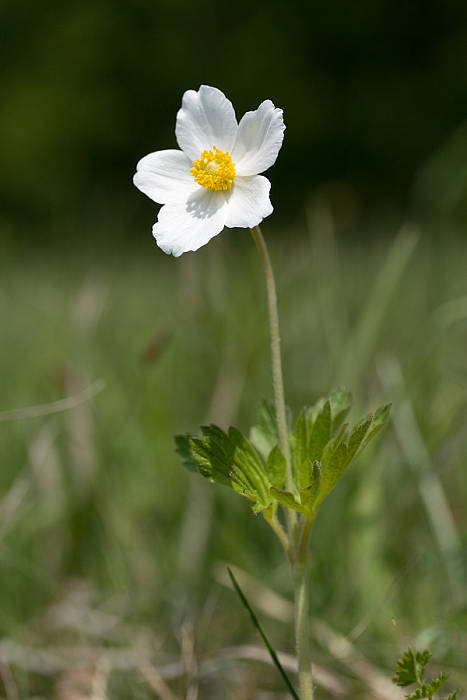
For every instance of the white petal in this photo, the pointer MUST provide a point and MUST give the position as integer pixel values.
(259, 138)
(206, 119)
(189, 225)
(165, 176)
(249, 201)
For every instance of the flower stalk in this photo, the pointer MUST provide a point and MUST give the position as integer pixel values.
(299, 533)
(277, 379)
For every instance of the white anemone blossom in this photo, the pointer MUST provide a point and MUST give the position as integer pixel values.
(214, 180)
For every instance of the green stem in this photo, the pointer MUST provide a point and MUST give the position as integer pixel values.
(278, 529)
(277, 380)
(302, 630)
(297, 546)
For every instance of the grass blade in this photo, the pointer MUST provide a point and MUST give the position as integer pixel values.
(266, 641)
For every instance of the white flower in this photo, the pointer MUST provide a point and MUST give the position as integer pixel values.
(214, 180)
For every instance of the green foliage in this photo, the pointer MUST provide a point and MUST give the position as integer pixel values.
(230, 459)
(341, 401)
(320, 430)
(322, 446)
(276, 466)
(289, 500)
(299, 449)
(183, 448)
(411, 668)
(427, 690)
(264, 434)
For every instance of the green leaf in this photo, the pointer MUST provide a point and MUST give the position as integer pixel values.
(322, 447)
(183, 448)
(433, 686)
(341, 401)
(247, 459)
(214, 463)
(309, 494)
(304, 475)
(427, 690)
(333, 464)
(418, 694)
(299, 447)
(379, 419)
(288, 500)
(320, 432)
(229, 459)
(315, 410)
(276, 466)
(307, 474)
(454, 695)
(346, 446)
(410, 667)
(357, 436)
(264, 435)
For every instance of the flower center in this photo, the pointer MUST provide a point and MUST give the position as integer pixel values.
(215, 170)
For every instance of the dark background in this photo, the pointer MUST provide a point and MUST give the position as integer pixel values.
(374, 95)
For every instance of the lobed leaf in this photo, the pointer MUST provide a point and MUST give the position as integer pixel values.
(433, 686)
(299, 447)
(276, 466)
(183, 448)
(309, 494)
(427, 690)
(379, 419)
(418, 694)
(334, 463)
(288, 500)
(228, 459)
(248, 460)
(341, 401)
(320, 432)
(410, 667)
(346, 446)
(315, 410)
(322, 447)
(454, 695)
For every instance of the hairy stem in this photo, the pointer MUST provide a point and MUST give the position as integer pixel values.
(303, 535)
(277, 380)
(301, 609)
(302, 630)
(297, 544)
(278, 529)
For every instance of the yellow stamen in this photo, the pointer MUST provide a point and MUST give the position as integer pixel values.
(215, 170)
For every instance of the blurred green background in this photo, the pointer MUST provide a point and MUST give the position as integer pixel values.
(112, 557)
